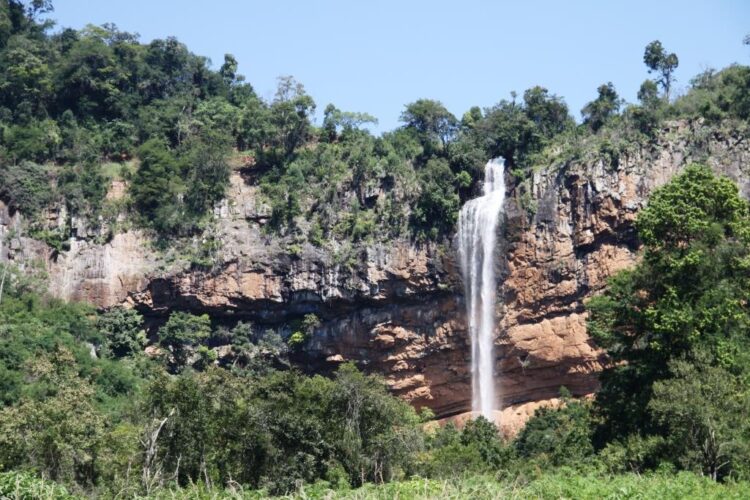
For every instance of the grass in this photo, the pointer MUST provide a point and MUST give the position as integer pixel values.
(559, 484)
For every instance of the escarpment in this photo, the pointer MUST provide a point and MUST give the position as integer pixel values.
(396, 307)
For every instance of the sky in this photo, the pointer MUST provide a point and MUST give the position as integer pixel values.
(376, 56)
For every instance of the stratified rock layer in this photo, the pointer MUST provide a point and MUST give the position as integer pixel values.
(396, 307)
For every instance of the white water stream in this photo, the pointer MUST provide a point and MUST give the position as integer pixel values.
(477, 234)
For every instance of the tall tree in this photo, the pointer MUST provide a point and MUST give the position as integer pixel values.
(290, 114)
(660, 61)
(689, 293)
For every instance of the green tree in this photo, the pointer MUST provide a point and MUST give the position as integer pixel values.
(515, 131)
(25, 187)
(25, 77)
(337, 122)
(599, 111)
(660, 61)
(290, 115)
(482, 435)
(182, 332)
(207, 176)
(436, 211)
(432, 122)
(688, 294)
(650, 113)
(123, 331)
(60, 435)
(228, 70)
(205, 427)
(375, 433)
(548, 112)
(156, 184)
(704, 409)
(90, 81)
(558, 436)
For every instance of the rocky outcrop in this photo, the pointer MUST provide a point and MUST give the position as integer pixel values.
(397, 307)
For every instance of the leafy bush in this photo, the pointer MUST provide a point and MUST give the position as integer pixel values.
(123, 331)
(25, 187)
(558, 436)
(181, 333)
(26, 486)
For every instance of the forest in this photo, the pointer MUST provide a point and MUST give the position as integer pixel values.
(81, 108)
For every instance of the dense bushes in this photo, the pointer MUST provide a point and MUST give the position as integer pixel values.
(89, 421)
(25, 186)
(558, 436)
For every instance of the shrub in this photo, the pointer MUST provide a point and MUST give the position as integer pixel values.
(26, 187)
(181, 333)
(123, 331)
(559, 436)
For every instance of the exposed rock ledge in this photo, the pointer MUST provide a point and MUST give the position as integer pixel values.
(398, 310)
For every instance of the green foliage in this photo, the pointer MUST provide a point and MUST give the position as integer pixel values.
(477, 448)
(253, 350)
(289, 115)
(25, 187)
(432, 122)
(438, 205)
(205, 423)
(658, 60)
(296, 339)
(207, 174)
(35, 140)
(282, 429)
(599, 111)
(548, 485)
(454, 459)
(342, 123)
(482, 435)
(26, 486)
(515, 131)
(156, 184)
(704, 409)
(123, 331)
(648, 116)
(634, 454)
(59, 436)
(718, 96)
(83, 187)
(677, 323)
(181, 333)
(558, 436)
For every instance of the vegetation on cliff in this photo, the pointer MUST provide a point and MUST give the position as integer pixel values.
(79, 108)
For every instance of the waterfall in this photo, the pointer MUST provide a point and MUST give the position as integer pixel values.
(477, 234)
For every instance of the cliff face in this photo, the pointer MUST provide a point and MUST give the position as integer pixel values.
(397, 307)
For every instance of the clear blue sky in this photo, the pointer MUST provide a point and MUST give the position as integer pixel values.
(376, 56)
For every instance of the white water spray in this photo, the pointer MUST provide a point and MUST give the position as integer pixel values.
(477, 234)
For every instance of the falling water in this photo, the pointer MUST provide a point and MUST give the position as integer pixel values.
(477, 230)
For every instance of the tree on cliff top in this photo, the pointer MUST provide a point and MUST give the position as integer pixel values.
(658, 60)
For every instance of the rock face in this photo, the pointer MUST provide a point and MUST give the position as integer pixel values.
(396, 307)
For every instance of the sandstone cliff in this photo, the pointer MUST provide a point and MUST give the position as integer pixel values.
(397, 307)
